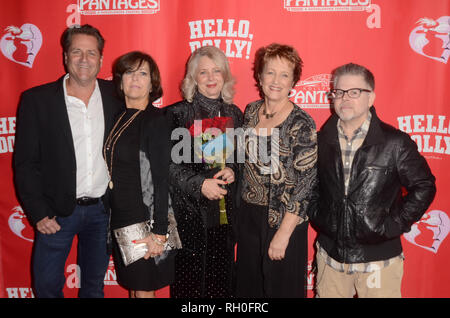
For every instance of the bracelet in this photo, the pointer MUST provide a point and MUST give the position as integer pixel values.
(157, 240)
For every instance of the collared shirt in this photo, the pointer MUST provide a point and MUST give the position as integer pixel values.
(88, 127)
(349, 147)
(348, 150)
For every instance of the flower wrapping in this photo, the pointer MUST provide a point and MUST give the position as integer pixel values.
(213, 146)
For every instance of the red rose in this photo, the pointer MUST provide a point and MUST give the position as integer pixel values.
(200, 126)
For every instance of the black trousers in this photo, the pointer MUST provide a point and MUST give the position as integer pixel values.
(257, 275)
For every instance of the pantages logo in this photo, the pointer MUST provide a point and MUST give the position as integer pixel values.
(430, 132)
(312, 92)
(112, 7)
(231, 36)
(326, 5)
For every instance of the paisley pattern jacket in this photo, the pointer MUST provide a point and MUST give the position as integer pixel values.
(294, 175)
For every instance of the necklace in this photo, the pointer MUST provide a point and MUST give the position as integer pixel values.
(112, 139)
(267, 115)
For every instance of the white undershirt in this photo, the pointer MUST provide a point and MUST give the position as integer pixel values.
(88, 127)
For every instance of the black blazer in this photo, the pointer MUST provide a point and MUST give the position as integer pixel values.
(44, 154)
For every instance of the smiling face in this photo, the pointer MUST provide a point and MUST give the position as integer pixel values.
(209, 78)
(276, 79)
(353, 111)
(83, 59)
(136, 84)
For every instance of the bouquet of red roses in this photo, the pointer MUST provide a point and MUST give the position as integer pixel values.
(213, 147)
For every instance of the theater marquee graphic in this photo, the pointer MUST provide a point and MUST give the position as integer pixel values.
(19, 225)
(312, 92)
(430, 231)
(326, 5)
(430, 132)
(431, 38)
(21, 44)
(113, 7)
(232, 36)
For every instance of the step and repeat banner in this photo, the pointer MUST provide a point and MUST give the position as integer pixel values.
(405, 43)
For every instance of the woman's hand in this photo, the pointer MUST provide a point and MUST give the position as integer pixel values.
(211, 189)
(280, 241)
(154, 248)
(226, 174)
(278, 245)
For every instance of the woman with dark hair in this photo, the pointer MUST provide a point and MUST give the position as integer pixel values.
(278, 177)
(203, 192)
(137, 152)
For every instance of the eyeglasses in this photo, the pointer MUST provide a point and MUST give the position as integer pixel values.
(352, 92)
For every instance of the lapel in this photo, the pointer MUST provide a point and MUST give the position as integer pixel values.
(107, 102)
(146, 133)
(61, 115)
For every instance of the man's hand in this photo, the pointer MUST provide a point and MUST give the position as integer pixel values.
(48, 226)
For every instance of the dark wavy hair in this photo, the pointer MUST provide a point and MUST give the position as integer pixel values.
(132, 61)
(274, 50)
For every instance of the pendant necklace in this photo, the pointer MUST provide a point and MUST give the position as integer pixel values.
(267, 115)
(112, 139)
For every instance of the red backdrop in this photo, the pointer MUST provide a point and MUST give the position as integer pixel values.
(404, 42)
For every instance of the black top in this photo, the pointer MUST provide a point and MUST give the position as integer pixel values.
(126, 199)
(186, 179)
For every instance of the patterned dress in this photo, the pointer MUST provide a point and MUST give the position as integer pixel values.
(273, 184)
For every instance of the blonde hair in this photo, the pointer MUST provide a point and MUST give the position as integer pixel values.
(189, 86)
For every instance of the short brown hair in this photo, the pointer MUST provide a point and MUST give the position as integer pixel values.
(132, 61)
(87, 29)
(274, 50)
(353, 69)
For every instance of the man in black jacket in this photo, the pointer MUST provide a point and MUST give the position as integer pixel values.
(373, 185)
(60, 174)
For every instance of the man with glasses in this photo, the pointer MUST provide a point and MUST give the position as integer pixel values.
(373, 185)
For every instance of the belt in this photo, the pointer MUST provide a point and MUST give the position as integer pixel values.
(87, 201)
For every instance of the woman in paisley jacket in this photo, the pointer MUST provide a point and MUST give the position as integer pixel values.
(278, 177)
(204, 267)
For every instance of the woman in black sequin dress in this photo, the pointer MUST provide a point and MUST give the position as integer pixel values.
(204, 268)
(137, 152)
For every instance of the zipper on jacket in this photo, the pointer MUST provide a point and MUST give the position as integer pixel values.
(344, 229)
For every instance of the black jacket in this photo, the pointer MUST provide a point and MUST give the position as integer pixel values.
(365, 225)
(193, 211)
(44, 154)
(197, 216)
